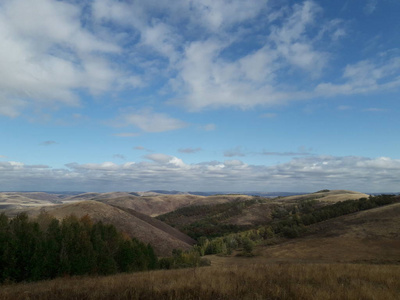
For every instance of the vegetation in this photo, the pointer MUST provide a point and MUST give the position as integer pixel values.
(251, 281)
(46, 248)
(288, 222)
(208, 220)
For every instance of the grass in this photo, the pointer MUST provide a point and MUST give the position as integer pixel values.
(252, 281)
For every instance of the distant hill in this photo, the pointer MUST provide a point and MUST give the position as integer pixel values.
(325, 196)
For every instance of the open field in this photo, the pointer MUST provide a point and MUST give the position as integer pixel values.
(250, 281)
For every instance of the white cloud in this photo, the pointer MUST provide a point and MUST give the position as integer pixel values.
(168, 172)
(191, 51)
(363, 77)
(159, 157)
(47, 55)
(150, 121)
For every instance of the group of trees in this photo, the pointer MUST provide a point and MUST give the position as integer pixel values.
(45, 248)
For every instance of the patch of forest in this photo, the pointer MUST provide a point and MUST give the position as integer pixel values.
(46, 248)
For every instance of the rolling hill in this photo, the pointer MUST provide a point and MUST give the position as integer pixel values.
(248, 212)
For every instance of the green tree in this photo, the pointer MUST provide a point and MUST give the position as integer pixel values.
(248, 246)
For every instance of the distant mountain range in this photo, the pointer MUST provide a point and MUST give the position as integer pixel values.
(174, 192)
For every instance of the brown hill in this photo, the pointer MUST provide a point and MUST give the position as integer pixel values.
(162, 237)
(371, 235)
(324, 196)
(261, 213)
(18, 200)
(160, 204)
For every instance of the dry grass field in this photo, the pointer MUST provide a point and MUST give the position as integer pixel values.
(250, 281)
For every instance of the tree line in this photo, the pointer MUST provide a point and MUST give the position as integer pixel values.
(45, 248)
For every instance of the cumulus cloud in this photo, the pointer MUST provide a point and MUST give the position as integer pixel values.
(47, 55)
(168, 172)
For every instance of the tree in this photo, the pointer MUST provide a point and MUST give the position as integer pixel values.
(248, 246)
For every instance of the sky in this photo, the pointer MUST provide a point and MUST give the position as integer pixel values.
(205, 95)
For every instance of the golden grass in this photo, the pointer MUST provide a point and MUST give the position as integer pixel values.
(259, 281)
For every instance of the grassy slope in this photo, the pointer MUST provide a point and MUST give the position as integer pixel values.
(366, 236)
(160, 225)
(253, 281)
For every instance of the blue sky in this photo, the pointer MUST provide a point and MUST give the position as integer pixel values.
(201, 95)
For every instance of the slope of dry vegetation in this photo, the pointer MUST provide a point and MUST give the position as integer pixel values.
(254, 281)
(371, 235)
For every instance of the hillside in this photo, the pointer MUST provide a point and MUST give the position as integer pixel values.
(158, 204)
(149, 203)
(372, 235)
(324, 196)
(162, 237)
(248, 212)
(18, 200)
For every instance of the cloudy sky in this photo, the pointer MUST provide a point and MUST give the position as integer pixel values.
(205, 95)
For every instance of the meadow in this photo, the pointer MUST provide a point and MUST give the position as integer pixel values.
(252, 279)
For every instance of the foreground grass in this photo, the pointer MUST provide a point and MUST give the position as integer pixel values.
(261, 281)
